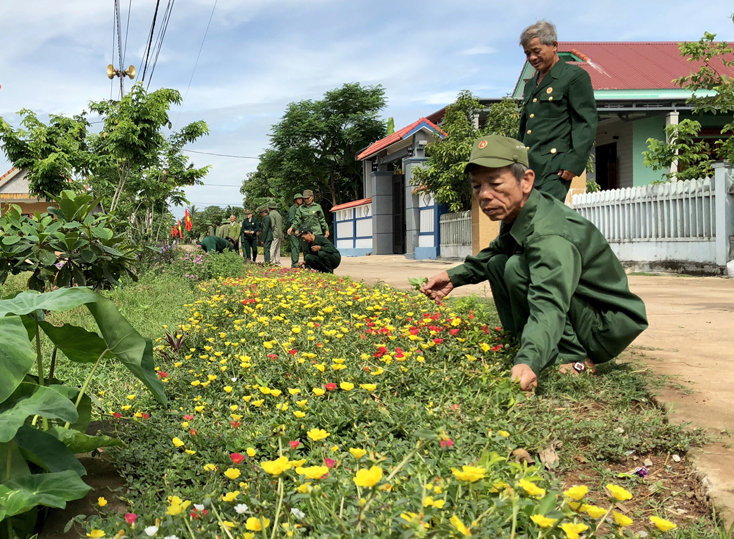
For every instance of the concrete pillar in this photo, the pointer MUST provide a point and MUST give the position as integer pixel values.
(381, 192)
(412, 211)
(671, 118)
(724, 211)
(483, 230)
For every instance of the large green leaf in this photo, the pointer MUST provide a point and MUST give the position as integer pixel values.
(78, 442)
(47, 451)
(78, 344)
(50, 489)
(18, 467)
(58, 300)
(16, 355)
(85, 405)
(31, 399)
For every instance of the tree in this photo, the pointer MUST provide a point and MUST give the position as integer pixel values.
(315, 144)
(684, 146)
(444, 174)
(54, 154)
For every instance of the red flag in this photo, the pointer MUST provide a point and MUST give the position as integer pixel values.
(180, 230)
(173, 232)
(187, 220)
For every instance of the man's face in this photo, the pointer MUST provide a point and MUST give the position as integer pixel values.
(248, 215)
(499, 195)
(299, 201)
(309, 200)
(308, 237)
(231, 219)
(540, 56)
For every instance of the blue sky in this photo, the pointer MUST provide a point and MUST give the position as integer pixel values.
(260, 55)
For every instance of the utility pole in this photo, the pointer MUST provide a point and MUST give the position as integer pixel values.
(112, 73)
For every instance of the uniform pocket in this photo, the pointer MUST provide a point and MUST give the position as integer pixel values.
(552, 104)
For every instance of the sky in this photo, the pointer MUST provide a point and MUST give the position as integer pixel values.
(260, 55)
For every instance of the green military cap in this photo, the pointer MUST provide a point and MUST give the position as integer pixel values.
(297, 196)
(272, 205)
(248, 212)
(262, 209)
(306, 230)
(494, 151)
(307, 193)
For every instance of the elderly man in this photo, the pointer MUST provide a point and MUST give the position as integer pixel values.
(277, 220)
(266, 232)
(310, 215)
(233, 232)
(558, 122)
(556, 283)
(248, 236)
(318, 252)
(216, 244)
(293, 237)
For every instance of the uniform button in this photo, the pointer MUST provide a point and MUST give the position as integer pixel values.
(535, 100)
(553, 150)
(532, 115)
(527, 148)
(530, 131)
(550, 98)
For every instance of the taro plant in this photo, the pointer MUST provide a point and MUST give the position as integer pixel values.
(69, 245)
(43, 422)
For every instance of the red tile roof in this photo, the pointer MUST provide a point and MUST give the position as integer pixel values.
(635, 65)
(398, 136)
(352, 204)
(8, 173)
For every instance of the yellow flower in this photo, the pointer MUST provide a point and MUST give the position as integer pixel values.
(257, 524)
(662, 524)
(302, 403)
(296, 463)
(318, 391)
(190, 452)
(594, 511)
(303, 489)
(577, 492)
(131, 397)
(503, 433)
(228, 389)
(368, 387)
(459, 525)
(264, 390)
(438, 504)
(101, 501)
(622, 520)
(368, 477)
(177, 442)
(250, 452)
(318, 434)
(573, 530)
(469, 473)
(531, 488)
(232, 473)
(542, 521)
(294, 391)
(358, 453)
(299, 414)
(619, 493)
(209, 467)
(96, 534)
(346, 386)
(313, 472)
(177, 506)
(231, 496)
(258, 403)
(275, 467)
(276, 392)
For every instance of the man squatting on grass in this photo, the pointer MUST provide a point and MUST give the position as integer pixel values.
(556, 283)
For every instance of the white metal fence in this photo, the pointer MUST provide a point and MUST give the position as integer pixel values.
(456, 235)
(688, 221)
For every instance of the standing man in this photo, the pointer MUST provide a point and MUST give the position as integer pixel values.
(310, 215)
(248, 236)
(293, 237)
(319, 253)
(557, 285)
(266, 232)
(558, 122)
(277, 221)
(232, 232)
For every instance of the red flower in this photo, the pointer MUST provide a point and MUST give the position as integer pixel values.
(237, 457)
(316, 324)
(498, 328)
(329, 463)
(235, 424)
(130, 517)
(454, 406)
(454, 331)
(193, 432)
(188, 417)
(118, 415)
(447, 443)
(496, 348)
(415, 331)
(293, 352)
(144, 415)
(163, 374)
(438, 341)
(294, 444)
(331, 386)
(273, 356)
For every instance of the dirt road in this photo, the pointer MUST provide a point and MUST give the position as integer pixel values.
(691, 338)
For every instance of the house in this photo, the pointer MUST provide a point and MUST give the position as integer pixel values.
(636, 98)
(14, 190)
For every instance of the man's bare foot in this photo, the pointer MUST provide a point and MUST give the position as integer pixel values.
(578, 367)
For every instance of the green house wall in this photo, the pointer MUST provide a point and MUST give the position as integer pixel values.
(642, 130)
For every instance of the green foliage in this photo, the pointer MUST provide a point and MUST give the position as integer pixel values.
(444, 174)
(68, 246)
(592, 186)
(54, 154)
(314, 147)
(39, 415)
(198, 266)
(692, 156)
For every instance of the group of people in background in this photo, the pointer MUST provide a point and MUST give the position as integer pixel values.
(307, 232)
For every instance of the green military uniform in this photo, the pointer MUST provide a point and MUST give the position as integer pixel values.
(222, 231)
(266, 233)
(558, 125)
(555, 281)
(277, 221)
(326, 259)
(216, 244)
(312, 217)
(295, 244)
(248, 237)
(210, 231)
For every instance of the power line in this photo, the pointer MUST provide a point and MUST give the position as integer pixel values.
(161, 36)
(221, 154)
(196, 63)
(127, 32)
(119, 46)
(112, 58)
(146, 52)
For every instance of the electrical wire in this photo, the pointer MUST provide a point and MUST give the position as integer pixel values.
(196, 63)
(119, 45)
(221, 154)
(112, 58)
(127, 31)
(146, 51)
(161, 36)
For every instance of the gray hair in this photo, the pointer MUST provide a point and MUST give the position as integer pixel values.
(543, 30)
(518, 170)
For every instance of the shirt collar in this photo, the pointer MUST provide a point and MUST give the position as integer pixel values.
(523, 227)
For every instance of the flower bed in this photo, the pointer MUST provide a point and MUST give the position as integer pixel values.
(305, 405)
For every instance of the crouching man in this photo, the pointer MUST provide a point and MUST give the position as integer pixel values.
(217, 244)
(556, 283)
(318, 252)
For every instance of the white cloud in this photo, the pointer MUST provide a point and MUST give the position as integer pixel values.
(479, 50)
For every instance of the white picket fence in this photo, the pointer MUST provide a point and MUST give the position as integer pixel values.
(456, 235)
(687, 221)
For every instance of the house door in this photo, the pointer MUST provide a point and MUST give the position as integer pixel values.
(606, 166)
(398, 214)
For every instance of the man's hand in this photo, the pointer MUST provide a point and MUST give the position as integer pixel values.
(290, 230)
(315, 248)
(326, 234)
(438, 287)
(566, 175)
(525, 375)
